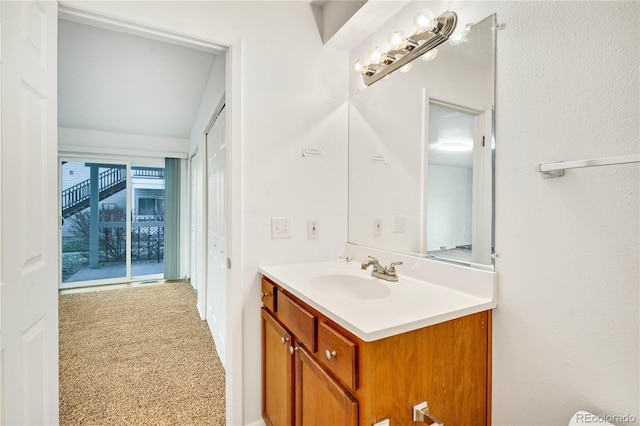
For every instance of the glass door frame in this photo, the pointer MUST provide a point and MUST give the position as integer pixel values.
(128, 163)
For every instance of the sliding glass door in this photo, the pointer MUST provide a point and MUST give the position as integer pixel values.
(94, 209)
(147, 221)
(113, 223)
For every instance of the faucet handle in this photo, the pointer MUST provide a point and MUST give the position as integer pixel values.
(392, 267)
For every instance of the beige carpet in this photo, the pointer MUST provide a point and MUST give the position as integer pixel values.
(138, 356)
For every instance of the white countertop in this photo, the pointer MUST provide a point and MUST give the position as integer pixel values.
(387, 308)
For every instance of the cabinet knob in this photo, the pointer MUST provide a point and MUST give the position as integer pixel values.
(292, 349)
(263, 295)
(284, 340)
(330, 354)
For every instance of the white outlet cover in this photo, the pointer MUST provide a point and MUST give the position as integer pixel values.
(377, 226)
(313, 229)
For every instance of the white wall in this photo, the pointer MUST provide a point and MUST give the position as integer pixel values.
(293, 94)
(566, 330)
(210, 99)
(84, 141)
(393, 185)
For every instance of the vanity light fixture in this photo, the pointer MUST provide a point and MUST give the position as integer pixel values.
(429, 34)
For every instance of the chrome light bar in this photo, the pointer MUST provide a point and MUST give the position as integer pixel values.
(413, 47)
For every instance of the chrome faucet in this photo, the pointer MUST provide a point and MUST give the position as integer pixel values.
(379, 271)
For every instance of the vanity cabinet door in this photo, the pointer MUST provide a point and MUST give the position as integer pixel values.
(277, 373)
(320, 400)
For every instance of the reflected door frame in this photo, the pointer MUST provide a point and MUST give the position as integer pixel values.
(482, 191)
(482, 216)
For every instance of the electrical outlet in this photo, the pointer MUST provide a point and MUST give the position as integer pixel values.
(377, 227)
(399, 224)
(280, 227)
(313, 229)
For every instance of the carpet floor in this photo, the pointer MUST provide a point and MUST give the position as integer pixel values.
(138, 356)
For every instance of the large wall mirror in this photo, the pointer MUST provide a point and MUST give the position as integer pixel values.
(421, 149)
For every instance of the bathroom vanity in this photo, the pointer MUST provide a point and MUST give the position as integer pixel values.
(340, 348)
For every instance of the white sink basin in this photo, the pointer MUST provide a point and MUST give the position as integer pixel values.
(351, 286)
(374, 309)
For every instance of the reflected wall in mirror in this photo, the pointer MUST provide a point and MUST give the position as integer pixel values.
(421, 155)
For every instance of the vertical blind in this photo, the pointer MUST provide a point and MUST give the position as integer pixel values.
(172, 219)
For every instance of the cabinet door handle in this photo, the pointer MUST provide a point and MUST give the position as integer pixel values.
(284, 340)
(330, 354)
(292, 349)
(263, 295)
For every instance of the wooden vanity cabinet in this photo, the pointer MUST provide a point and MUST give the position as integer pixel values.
(277, 372)
(331, 377)
(292, 380)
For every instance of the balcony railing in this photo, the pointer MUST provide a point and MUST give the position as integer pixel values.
(77, 197)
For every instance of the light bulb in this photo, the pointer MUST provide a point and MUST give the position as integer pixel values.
(387, 59)
(396, 40)
(430, 55)
(406, 68)
(423, 20)
(375, 54)
(460, 37)
(457, 39)
(357, 66)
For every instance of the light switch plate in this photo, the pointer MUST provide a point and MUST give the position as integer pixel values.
(280, 227)
(399, 224)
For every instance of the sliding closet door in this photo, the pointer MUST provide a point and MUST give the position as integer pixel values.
(198, 248)
(216, 237)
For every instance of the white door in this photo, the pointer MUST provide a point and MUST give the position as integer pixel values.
(29, 200)
(216, 233)
(197, 236)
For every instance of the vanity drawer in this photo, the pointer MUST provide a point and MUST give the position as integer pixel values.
(298, 320)
(268, 295)
(338, 354)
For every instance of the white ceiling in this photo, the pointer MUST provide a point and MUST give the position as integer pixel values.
(117, 82)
